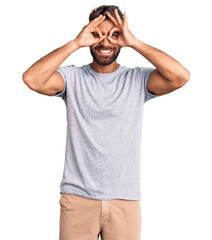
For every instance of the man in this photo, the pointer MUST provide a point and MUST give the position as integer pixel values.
(100, 188)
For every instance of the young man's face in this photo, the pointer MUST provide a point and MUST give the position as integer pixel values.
(105, 58)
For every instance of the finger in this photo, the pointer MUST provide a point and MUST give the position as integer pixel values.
(96, 40)
(112, 18)
(118, 18)
(125, 20)
(96, 19)
(99, 20)
(98, 31)
(113, 30)
(93, 22)
(113, 41)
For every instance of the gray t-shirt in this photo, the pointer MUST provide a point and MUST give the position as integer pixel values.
(104, 123)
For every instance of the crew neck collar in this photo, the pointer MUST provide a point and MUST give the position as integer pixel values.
(90, 69)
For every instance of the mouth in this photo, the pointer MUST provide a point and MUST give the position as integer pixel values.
(105, 52)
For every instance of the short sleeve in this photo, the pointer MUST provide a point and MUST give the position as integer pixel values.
(65, 72)
(146, 72)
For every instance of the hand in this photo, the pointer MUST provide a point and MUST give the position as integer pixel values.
(124, 38)
(86, 37)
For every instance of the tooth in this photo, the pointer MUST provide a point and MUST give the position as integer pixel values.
(105, 51)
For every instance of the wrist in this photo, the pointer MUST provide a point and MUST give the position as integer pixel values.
(74, 44)
(137, 43)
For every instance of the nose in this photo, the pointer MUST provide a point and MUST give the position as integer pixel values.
(105, 42)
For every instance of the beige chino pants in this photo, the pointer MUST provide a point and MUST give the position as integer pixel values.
(86, 219)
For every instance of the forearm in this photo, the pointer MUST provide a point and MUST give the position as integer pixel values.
(166, 65)
(43, 69)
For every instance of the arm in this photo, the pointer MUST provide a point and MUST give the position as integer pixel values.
(169, 74)
(42, 76)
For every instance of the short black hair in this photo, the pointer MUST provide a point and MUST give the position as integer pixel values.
(102, 10)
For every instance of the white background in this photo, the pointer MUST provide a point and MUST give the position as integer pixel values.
(176, 157)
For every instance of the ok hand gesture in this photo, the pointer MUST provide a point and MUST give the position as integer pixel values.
(125, 38)
(86, 38)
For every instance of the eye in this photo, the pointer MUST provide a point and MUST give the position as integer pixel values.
(95, 34)
(115, 34)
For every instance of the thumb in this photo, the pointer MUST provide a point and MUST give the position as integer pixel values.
(96, 40)
(112, 40)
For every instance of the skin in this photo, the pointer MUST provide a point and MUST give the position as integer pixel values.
(105, 60)
(101, 33)
(169, 74)
(95, 35)
(108, 34)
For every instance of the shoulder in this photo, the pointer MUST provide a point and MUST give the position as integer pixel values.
(139, 72)
(66, 68)
(70, 70)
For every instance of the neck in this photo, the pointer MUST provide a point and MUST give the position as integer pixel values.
(104, 69)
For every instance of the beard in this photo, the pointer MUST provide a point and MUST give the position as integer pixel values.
(104, 60)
